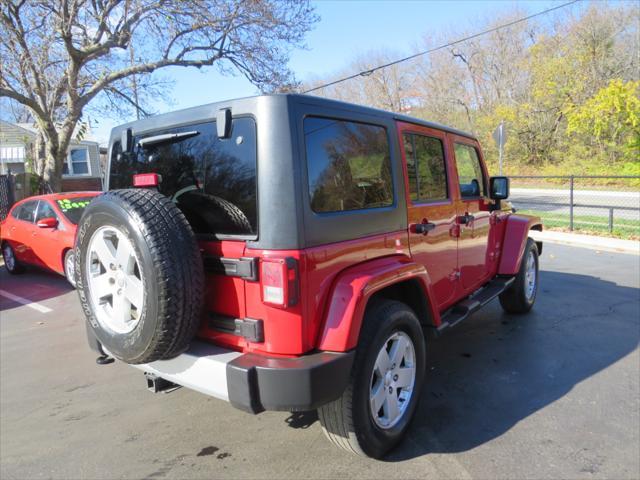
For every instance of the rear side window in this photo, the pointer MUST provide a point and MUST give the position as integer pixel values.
(349, 165)
(28, 211)
(15, 213)
(426, 167)
(212, 180)
(470, 173)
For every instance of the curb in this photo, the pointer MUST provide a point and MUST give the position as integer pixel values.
(588, 241)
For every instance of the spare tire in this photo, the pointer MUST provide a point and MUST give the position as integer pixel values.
(139, 275)
(208, 213)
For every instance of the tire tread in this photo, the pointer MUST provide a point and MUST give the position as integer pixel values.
(178, 267)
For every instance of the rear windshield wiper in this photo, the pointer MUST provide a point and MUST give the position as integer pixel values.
(166, 138)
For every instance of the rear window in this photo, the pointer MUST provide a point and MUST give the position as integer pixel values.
(72, 207)
(212, 180)
(349, 165)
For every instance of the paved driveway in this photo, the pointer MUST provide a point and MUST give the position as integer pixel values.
(554, 394)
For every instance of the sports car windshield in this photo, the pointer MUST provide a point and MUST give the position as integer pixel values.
(73, 207)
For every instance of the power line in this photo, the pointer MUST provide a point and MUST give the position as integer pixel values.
(366, 73)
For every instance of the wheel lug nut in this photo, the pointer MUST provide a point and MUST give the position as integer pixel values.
(395, 378)
(390, 389)
(119, 291)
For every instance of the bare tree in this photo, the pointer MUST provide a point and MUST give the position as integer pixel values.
(389, 88)
(58, 56)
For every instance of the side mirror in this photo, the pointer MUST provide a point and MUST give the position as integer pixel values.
(499, 188)
(48, 222)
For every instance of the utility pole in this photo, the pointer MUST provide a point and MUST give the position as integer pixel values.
(500, 137)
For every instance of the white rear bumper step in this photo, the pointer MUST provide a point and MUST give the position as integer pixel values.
(202, 368)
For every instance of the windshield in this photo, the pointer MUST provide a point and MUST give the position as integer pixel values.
(212, 180)
(73, 207)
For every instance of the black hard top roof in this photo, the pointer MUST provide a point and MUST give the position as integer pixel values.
(167, 118)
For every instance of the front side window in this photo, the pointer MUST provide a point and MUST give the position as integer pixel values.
(77, 162)
(27, 212)
(470, 173)
(349, 165)
(212, 180)
(426, 167)
(45, 211)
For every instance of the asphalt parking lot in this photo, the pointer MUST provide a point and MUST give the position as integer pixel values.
(554, 394)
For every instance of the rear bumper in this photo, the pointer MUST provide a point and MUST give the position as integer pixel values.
(255, 383)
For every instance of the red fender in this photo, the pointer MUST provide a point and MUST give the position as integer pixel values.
(352, 290)
(515, 239)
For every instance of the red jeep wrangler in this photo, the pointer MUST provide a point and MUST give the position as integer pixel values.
(288, 252)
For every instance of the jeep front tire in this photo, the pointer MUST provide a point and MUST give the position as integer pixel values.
(521, 295)
(139, 275)
(376, 408)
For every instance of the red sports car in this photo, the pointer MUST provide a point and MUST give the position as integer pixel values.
(41, 230)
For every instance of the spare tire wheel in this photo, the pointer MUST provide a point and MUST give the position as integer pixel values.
(139, 275)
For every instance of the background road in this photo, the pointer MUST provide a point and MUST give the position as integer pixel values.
(557, 201)
(554, 394)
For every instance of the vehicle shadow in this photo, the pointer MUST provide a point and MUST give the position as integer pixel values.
(33, 285)
(488, 374)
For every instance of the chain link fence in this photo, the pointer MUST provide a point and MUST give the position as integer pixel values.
(595, 204)
(7, 195)
(15, 187)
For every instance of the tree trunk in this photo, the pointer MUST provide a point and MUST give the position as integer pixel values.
(39, 155)
(53, 168)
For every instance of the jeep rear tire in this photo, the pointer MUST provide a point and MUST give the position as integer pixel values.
(521, 295)
(376, 408)
(139, 275)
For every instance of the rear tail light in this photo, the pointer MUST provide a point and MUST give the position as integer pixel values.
(279, 278)
(146, 180)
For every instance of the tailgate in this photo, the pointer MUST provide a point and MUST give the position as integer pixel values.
(226, 272)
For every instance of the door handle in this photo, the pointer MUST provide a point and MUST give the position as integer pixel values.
(465, 219)
(423, 228)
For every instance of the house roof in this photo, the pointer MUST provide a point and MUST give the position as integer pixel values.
(31, 130)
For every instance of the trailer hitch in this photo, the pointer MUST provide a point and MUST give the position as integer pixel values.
(156, 384)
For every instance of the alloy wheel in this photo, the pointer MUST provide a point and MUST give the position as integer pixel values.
(114, 280)
(392, 380)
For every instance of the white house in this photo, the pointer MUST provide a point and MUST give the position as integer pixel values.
(81, 169)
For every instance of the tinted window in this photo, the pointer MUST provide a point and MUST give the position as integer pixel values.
(469, 171)
(15, 213)
(73, 207)
(45, 211)
(212, 180)
(349, 165)
(28, 211)
(426, 167)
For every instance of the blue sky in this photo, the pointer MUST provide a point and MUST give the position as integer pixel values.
(345, 29)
